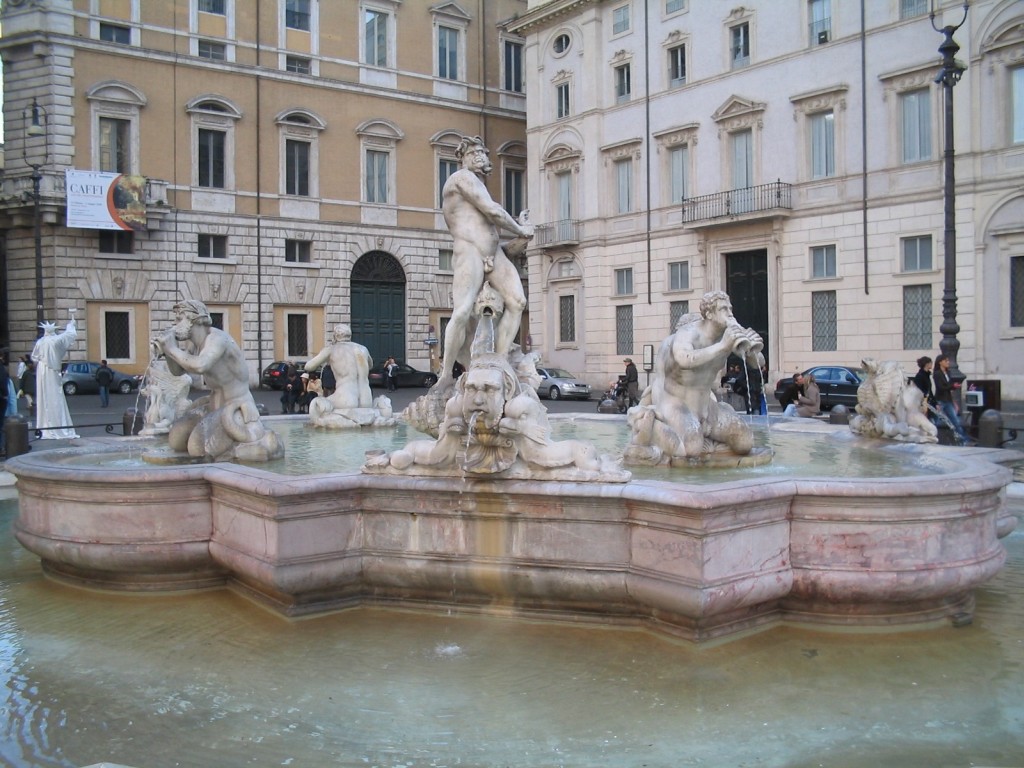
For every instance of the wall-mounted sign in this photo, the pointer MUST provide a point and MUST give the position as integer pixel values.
(99, 200)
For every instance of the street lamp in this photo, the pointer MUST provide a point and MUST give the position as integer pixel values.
(35, 129)
(950, 74)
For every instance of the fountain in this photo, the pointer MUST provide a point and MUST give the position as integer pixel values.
(494, 516)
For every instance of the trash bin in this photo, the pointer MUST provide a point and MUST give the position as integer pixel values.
(132, 422)
(16, 435)
(980, 395)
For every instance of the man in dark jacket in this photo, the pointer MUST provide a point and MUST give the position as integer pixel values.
(792, 393)
(104, 377)
(632, 382)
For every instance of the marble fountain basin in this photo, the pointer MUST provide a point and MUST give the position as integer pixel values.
(696, 560)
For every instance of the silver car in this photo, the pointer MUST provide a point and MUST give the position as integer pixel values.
(557, 383)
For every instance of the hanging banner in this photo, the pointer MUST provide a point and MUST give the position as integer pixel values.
(99, 200)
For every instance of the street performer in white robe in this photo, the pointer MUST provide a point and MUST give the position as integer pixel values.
(51, 407)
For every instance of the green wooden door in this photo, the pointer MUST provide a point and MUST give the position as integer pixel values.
(378, 305)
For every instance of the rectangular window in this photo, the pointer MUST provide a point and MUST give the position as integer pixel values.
(620, 20)
(739, 45)
(217, 319)
(562, 100)
(1017, 291)
(116, 241)
(1017, 100)
(823, 145)
(211, 50)
(677, 65)
(742, 159)
(671, 6)
(679, 163)
(296, 14)
(624, 330)
(376, 176)
(911, 8)
(624, 186)
(917, 253)
(212, 247)
(298, 251)
(823, 321)
(917, 317)
(823, 261)
(821, 21)
(375, 39)
(623, 88)
(444, 260)
(515, 198)
(117, 335)
(679, 276)
(115, 33)
(513, 66)
(565, 203)
(624, 282)
(115, 151)
(448, 53)
(567, 318)
(445, 168)
(298, 65)
(212, 6)
(917, 126)
(211, 158)
(298, 335)
(676, 309)
(296, 167)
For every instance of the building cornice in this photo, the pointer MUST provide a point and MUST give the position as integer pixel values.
(546, 15)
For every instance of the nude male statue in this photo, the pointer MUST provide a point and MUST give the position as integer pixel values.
(225, 424)
(475, 220)
(679, 412)
(351, 363)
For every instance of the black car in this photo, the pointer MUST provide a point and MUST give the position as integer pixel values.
(275, 373)
(838, 384)
(405, 376)
(80, 377)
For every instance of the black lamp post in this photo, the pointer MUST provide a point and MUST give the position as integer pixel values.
(950, 74)
(35, 129)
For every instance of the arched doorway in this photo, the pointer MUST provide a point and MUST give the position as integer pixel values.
(378, 305)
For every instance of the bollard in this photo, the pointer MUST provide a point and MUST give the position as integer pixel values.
(16, 435)
(132, 422)
(839, 415)
(990, 429)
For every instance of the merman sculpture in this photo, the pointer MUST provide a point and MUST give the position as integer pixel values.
(351, 404)
(225, 425)
(679, 419)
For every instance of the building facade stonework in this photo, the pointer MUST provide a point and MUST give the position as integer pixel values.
(293, 153)
(790, 153)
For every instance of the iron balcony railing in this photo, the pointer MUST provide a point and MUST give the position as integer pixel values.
(764, 197)
(564, 232)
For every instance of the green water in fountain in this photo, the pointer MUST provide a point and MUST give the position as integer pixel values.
(835, 454)
(209, 680)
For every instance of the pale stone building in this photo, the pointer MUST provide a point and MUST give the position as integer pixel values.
(290, 156)
(787, 151)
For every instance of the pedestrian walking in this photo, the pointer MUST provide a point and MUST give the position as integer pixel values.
(104, 377)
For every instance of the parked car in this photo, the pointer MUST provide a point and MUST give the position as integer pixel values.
(80, 378)
(557, 383)
(406, 376)
(838, 384)
(274, 374)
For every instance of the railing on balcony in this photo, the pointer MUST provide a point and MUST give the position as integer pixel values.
(564, 232)
(764, 197)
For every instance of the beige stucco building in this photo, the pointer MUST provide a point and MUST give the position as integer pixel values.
(788, 151)
(292, 154)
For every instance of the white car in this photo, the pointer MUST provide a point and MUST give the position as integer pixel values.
(557, 383)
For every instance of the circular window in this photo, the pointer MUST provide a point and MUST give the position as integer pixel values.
(562, 43)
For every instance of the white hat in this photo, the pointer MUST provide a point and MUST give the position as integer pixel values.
(305, 376)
